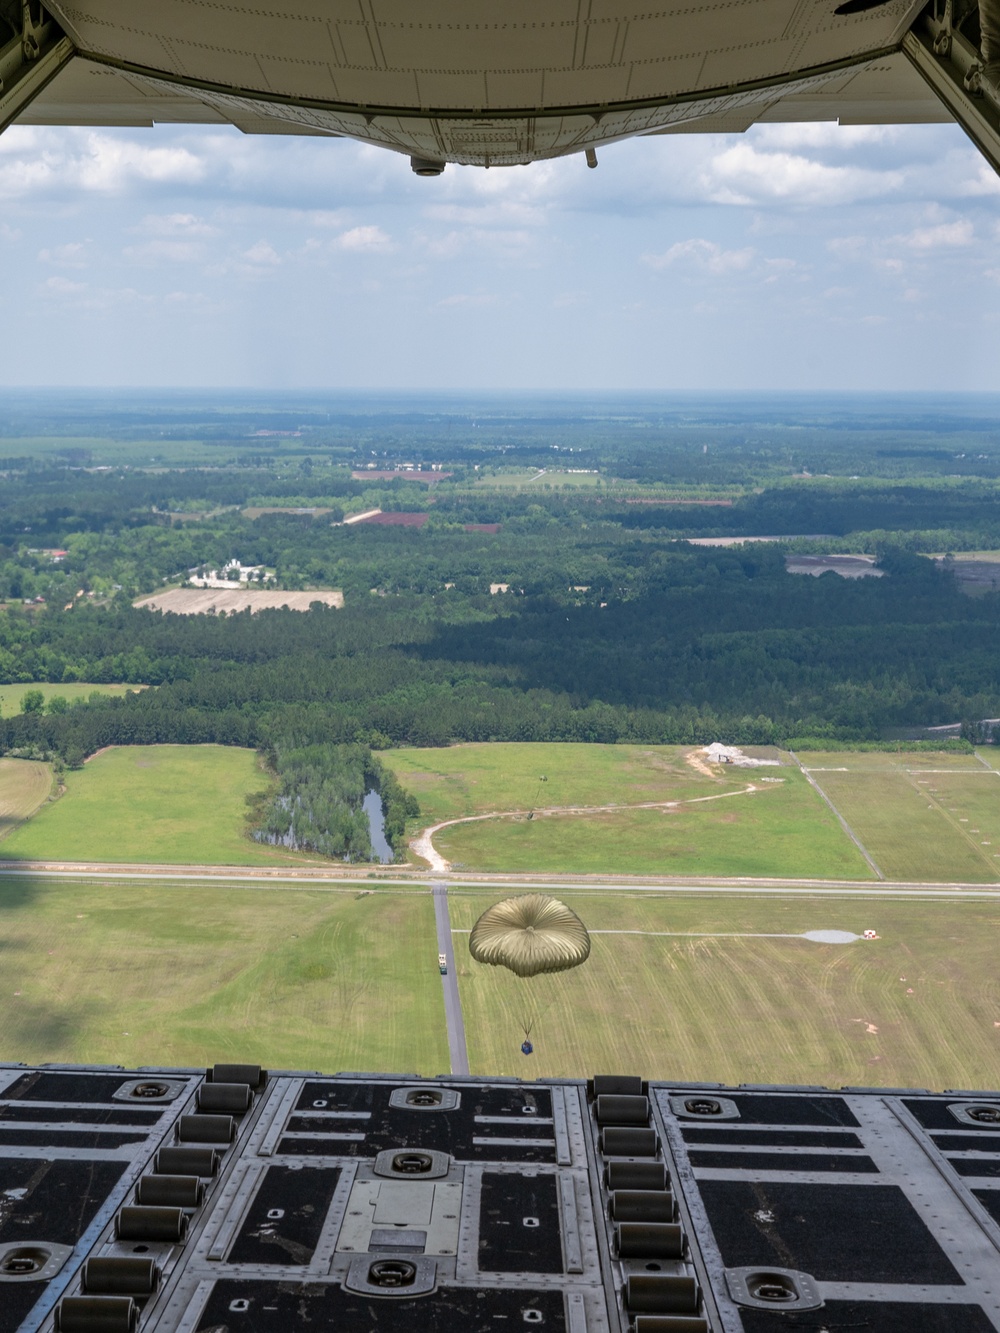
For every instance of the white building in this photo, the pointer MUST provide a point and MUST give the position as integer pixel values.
(231, 573)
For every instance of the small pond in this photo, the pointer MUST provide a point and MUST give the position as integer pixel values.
(372, 806)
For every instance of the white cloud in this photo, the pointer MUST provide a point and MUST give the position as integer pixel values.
(704, 254)
(983, 181)
(204, 227)
(745, 175)
(90, 161)
(502, 242)
(317, 217)
(165, 250)
(946, 235)
(63, 286)
(468, 299)
(776, 269)
(176, 224)
(822, 134)
(369, 240)
(84, 297)
(263, 254)
(186, 299)
(70, 255)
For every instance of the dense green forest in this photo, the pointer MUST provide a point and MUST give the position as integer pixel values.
(613, 626)
(717, 643)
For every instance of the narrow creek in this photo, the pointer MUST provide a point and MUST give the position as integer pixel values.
(372, 806)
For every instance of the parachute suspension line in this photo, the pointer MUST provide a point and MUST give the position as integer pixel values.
(543, 778)
(530, 936)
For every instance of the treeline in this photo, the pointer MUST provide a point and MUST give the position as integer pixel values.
(319, 804)
(837, 508)
(718, 644)
(318, 807)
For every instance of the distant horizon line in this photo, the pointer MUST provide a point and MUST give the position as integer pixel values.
(423, 392)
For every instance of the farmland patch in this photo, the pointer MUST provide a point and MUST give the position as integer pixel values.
(213, 601)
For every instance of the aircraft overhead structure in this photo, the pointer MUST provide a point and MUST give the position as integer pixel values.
(489, 85)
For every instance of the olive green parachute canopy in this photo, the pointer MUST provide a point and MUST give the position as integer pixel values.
(530, 934)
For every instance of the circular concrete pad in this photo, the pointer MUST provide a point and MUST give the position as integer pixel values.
(830, 936)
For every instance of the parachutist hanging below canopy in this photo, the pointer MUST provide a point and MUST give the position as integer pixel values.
(530, 936)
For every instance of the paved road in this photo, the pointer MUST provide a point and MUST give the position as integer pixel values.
(343, 880)
(452, 1004)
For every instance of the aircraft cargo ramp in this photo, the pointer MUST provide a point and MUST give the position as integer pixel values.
(186, 1201)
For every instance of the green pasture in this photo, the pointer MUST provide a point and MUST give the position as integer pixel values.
(782, 831)
(11, 695)
(154, 804)
(104, 452)
(480, 778)
(919, 1007)
(918, 824)
(137, 973)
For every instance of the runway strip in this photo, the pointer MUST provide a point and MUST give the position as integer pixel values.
(340, 882)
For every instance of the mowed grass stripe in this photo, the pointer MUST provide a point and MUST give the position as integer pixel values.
(903, 829)
(783, 829)
(130, 973)
(971, 802)
(914, 1008)
(880, 761)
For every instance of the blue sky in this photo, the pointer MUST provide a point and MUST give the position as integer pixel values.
(791, 257)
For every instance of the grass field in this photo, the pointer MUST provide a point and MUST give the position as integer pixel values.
(116, 453)
(892, 761)
(11, 695)
(135, 973)
(919, 1007)
(783, 829)
(477, 779)
(170, 804)
(24, 785)
(516, 479)
(921, 816)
